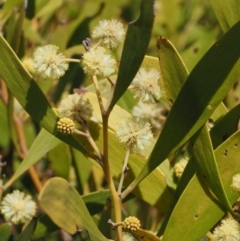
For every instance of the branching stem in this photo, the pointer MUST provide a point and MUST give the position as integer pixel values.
(106, 169)
(87, 134)
(72, 60)
(95, 83)
(123, 172)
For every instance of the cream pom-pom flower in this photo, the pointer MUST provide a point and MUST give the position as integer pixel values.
(110, 32)
(150, 112)
(76, 107)
(18, 207)
(145, 85)
(236, 182)
(134, 135)
(48, 63)
(227, 231)
(97, 62)
(180, 166)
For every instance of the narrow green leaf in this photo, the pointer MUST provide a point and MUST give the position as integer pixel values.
(136, 43)
(227, 12)
(174, 74)
(94, 203)
(173, 70)
(225, 127)
(205, 162)
(60, 159)
(205, 210)
(67, 209)
(42, 144)
(27, 233)
(202, 92)
(8, 8)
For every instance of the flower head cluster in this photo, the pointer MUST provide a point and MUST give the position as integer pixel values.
(48, 63)
(236, 182)
(76, 107)
(18, 207)
(134, 135)
(65, 126)
(145, 85)
(131, 223)
(180, 166)
(98, 62)
(227, 231)
(110, 32)
(149, 112)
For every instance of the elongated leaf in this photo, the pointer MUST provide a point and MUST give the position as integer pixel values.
(136, 43)
(227, 12)
(67, 209)
(205, 210)
(93, 201)
(174, 74)
(144, 235)
(27, 233)
(173, 70)
(41, 145)
(225, 127)
(60, 159)
(205, 162)
(202, 92)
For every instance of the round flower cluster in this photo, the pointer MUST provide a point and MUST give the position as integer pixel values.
(98, 62)
(65, 126)
(180, 166)
(18, 207)
(149, 112)
(236, 182)
(110, 33)
(145, 85)
(227, 231)
(134, 135)
(48, 63)
(131, 223)
(77, 108)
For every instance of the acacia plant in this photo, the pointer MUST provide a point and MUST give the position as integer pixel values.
(117, 144)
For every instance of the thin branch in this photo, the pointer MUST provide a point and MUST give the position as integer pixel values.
(106, 169)
(95, 83)
(123, 172)
(87, 134)
(110, 81)
(72, 60)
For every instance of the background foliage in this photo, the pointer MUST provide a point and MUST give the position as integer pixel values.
(199, 84)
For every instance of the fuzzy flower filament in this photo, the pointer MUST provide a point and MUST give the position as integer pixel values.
(180, 167)
(48, 63)
(98, 62)
(109, 32)
(149, 112)
(77, 108)
(135, 136)
(145, 85)
(236, 182)
(227, 231)
(18, 207)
